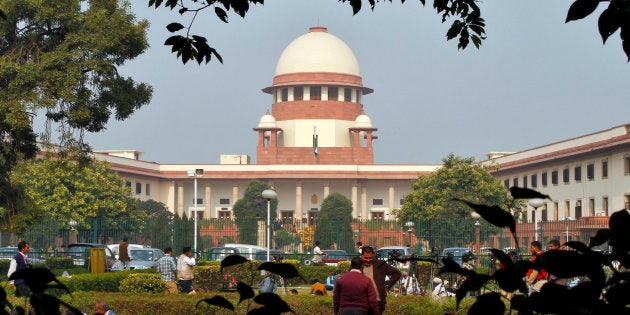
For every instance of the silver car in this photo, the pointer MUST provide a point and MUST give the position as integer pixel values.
(141, 258)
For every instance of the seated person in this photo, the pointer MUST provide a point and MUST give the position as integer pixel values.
(331, 280)
(318, 288)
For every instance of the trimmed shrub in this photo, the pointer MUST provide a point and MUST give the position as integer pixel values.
(142, 283)
(53, 263)
(104, 282)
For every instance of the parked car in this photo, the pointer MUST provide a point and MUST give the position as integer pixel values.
(456, 253)
(274, 254)
(141, 258)
(114, 248)
(80, 254)
(218, 253)
(6, 253)
(333, 256)
(388, 252)
(246, 250)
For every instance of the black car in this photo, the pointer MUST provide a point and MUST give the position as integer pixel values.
(80, 254)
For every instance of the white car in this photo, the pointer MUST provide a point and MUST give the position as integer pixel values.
(114, 248)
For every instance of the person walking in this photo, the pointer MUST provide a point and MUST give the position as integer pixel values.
(123, 253)
(20, 262)
(377, 270)
(166, 267)
(317, 254)
(185, 264)
(535, 279)
(354, 293)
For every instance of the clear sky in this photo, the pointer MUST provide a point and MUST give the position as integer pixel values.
(535, 80)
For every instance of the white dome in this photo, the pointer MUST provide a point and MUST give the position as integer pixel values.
(318, 51)
(267, 121)
(363, 121)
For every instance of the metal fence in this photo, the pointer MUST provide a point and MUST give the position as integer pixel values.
(297, 236)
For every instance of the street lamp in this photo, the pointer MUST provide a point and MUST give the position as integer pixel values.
(73, 232)
(536, 203)
(476, 216)
(195, 173)
(269, 194)
(566, 226)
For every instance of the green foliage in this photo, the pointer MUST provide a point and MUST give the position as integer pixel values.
(66, 190)
(283, 237)
(104, 282)
(159, 225)
(250, 209)
(333, 223)
(59, 263)
(142, 283)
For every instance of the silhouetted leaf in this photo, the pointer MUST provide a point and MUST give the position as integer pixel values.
(38, 279)
(245, 292)
(581, 9)
(273, 303)
(520, 303)
(217, 301)
(526, 193)
(495, 215)
(174, 27)
(510, 280)
(488, 304)
(619, 224)
(232, 260)
(473, 283)
(602, 236)
(221, 14)
(618, 294)
(454, 30)
(608, 23)
(356, 6)
(285, 270)
(506, 260)
(563, 263)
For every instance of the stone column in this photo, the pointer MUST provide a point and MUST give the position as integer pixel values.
(364, 201)
(207, 202)
(180, 199)
(355, 202)
(298, 200)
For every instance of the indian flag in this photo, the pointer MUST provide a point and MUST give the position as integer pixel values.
(315, 144)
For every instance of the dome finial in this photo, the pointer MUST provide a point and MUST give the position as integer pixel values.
(318, 29)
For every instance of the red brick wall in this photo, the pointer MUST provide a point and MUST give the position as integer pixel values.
(304, 155)
(316, 110)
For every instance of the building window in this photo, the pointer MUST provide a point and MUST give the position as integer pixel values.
(590, 171)
(316, 93)
(567, 208)
(554, 177)
(626, 165)
(605, 206)
(543, 179)
(358, 96)
(128, 184)
(555, 210)
(591, 206)
(347, 94)
(377, 202)
(298, 93)
(577, 173)
(285, 94)
(515, 182)
(333, 93)
(402, 201)
(578, 209)
(525, 181)
(286, 215)
(534, 180)
(543, 215)
(224, 215)
(378, 215)
(147, 189)
(199, 201)
(224, 201)
(566, 175)
(138, 188)
(604, 169)
(506, 183)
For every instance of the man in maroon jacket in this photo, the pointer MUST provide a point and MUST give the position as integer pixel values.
(354, 293)
(377, 270)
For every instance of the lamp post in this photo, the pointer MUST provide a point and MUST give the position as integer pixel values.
(409, 226)
(476, 216)
(195, 173)
(566, 226)
(73, 232)
(269, 194)
(536, 203)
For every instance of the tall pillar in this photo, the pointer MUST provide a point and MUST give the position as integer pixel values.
(234, 197)
(364, 200)
(207, 202)
(355, 202)
(299, 210)
(391, 202)
(326, 189)
(180, 199)
(171, 203)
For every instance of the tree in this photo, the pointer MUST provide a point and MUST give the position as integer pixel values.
(61, 58)
(467, 24)
(159, 227)
(66, 191)
(333, 223)
(250, 209)
(432, 204)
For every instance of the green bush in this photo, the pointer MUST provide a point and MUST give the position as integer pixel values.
(104, 282)
(53, 263)
(142, 283)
